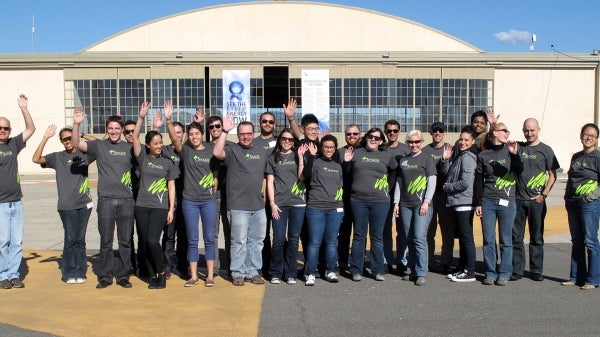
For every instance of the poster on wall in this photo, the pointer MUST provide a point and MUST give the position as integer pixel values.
(236, 96)
(315, 96)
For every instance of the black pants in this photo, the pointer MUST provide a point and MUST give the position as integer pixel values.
(150, 222)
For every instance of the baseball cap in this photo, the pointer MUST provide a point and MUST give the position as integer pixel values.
(438, 125)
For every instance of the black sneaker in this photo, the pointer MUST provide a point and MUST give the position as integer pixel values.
(5, 284)
(516, 277)
(103, 284)
(16, 283)
(464, 276)
(124, 283)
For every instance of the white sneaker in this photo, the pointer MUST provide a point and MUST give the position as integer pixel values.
(331, 277)
(464, 277)
(71, 280)
(275, 280)
(291, 280)
(450, 276)
(310, 280)
(80, 280)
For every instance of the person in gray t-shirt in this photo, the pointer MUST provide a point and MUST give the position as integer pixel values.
(115, 197)
(74, 200)
(11, 208)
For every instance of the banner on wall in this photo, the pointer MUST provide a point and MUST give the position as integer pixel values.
(315, 96)
(236, 96)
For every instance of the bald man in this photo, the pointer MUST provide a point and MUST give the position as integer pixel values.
(533, 185)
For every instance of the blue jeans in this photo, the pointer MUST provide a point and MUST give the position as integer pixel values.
(583, 224)
(111, 212)
(415, 227)
(12, 223)
(74, 258)
(192, 212)
(323, 226)
(369, 216)
(285, 261)
(534, 213)
(505, 215)
(248, 229)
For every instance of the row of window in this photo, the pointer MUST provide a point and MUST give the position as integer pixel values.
(368, 102)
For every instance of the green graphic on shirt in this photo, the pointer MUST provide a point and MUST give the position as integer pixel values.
(506, 180)
(158, 186)
(538, 181)
(126, 178)
(588, 187)
(84, 188)
(207, 181)
(382, 183)
(18, 178)
(339, 194)
(417, 185)
(298, 188)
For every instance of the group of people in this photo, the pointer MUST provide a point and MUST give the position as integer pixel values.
(301, 187)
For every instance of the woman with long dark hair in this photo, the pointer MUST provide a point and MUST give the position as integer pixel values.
(288, 206)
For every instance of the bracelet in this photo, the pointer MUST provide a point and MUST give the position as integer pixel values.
(225, 131)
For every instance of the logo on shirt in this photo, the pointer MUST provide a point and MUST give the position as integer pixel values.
(418, 186)
(75, 160)
(207, 181)
(493, 162)
(506, 182)
(586, 188)
(158, 188)
(117, 153)
(327, 169)
(405, 165)
(155, 166)
(537, 182)
(299, 188)
(197, 158)
(339, 194)
(252, 156)
(6, 154)
(286, 162)
(382, 183)
(528, 156)
(370, 160)
(84, 188)
(175, 158)
(126, 178)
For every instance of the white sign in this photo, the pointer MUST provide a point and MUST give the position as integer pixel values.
(315, 96)
(236, 96)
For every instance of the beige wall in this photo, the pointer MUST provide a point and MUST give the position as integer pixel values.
(45, 90)
(561, 100)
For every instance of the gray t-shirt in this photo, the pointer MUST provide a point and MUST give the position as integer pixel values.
(114, 168)
(325, 184)
(245, 175)
(584, 175)
(397, 152)
(370, 170)
(436, 153)
(414, 171)
(499, 170)
(199, 173)
(265, 143)
(9, 169)
(289, 191)
(155, 172)
(72, 180)
(537, 161)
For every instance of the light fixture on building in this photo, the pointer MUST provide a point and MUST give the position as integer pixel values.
(386, 55)
(596, 52)
(179, 55)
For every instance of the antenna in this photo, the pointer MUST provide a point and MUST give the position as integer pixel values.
(533, 40)
(32, 32)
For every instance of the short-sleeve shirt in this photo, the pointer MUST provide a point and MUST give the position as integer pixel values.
(414, 170)
(325, 182)
(265, 143)
(155, 172)
(245, 175)
(72, 180)
(114, 162)
(436, 153)
(198, 176)
(397, 152)
(537, 161)
(289, 191)
(9, 169)
(584, 175)
(499, 181)
(370, 169)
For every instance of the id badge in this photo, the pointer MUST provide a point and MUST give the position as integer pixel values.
(503, 202)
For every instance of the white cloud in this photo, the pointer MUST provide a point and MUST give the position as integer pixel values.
(513, 36)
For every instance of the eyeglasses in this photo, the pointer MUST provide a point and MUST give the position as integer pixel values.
(5, 128)
(388, 131)
(504, 130)
(246, 134)
(128, 131)
(328, 147)
(588, 136)
(267, 121)
(311, 129)
(214, 126)
(413, 141)
(375, 138)
(287, 139)
(66, 139)
(348, 134)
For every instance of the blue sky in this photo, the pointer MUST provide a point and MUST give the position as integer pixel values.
(499, 26)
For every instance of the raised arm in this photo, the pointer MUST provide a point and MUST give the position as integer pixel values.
(29, 126)
(78, 118)
(157, 120)
(290, 112)
(168, 107)
(137, 146)
(219, 148)
(37, 155)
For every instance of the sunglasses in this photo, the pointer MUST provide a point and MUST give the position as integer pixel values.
(214, 126)
(268, 121)
(392, 131)
(5, 128)
(504, 130)
(128, 131)
(375, 138)
(413, 141)
(287, 139)
(348, 134)
(65, 139)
